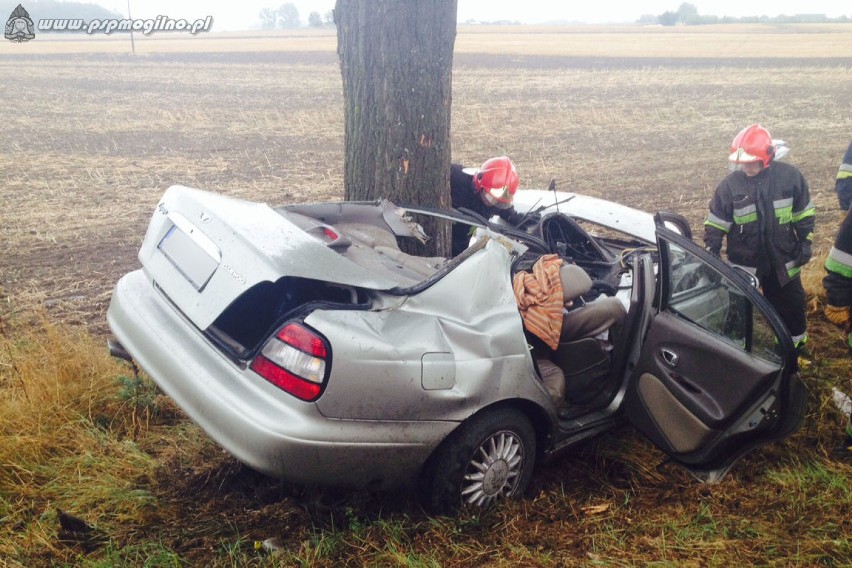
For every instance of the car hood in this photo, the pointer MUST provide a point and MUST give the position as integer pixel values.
(204, 250)
(635, 222)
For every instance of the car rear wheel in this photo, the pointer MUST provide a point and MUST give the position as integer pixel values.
(488, 458)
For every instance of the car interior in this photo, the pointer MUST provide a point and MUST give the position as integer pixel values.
(591, 365)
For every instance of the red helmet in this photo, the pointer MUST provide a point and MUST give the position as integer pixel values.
(752, 144)
(496, 182)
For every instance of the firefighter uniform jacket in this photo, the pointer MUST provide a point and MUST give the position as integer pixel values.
(838, 282)
(843, 184)
(768, 220)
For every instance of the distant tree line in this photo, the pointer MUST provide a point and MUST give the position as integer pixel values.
(51, 9)
(471, 21)
(286, 16)
(688, 15)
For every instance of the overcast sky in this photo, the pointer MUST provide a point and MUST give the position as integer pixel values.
(244, 14)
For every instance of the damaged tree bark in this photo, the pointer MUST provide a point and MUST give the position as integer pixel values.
(396, 62)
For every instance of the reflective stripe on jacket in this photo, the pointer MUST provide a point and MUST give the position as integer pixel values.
(768, 220)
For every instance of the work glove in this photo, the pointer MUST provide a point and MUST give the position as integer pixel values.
(844, 197)
(523, 220)
(805, 253)
(526, 220)
(530, 220)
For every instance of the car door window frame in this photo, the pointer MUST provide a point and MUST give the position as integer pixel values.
(753, 295)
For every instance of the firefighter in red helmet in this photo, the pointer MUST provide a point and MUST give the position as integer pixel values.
(486, 191)
(764, 211)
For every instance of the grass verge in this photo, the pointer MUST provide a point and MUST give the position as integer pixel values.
(83, 437)
(66, 444)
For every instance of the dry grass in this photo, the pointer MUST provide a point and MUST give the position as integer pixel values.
(712, 41)
(65, 441)
(91, 141)
(216, 42)
(716, 41)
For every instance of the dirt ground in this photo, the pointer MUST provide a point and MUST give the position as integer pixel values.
(89, 143)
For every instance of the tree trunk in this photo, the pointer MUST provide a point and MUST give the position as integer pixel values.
(396, 60)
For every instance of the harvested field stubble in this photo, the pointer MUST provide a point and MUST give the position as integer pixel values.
(90, 142)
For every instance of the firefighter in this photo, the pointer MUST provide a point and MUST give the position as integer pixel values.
(487, 191)
(764, 210)
(843, 184)
(838, 281)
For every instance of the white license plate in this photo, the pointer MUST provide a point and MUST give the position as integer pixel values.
(191, 254)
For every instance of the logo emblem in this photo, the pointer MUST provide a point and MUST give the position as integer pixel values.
(19, 26)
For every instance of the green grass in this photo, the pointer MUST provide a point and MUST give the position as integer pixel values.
(145, 555)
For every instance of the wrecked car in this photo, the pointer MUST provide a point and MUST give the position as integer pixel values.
(307, 344)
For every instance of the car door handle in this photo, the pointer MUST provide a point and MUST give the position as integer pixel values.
(670, 357)
(686, 385)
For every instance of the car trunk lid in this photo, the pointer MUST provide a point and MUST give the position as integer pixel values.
(204, 250)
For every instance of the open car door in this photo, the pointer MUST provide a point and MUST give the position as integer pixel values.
(717, 375)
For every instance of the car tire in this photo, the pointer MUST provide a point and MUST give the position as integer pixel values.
(489, 457)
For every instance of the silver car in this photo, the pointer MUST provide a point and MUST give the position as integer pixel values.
(306, 343)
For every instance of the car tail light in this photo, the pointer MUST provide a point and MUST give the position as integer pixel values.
(295, 360)
(329, 236)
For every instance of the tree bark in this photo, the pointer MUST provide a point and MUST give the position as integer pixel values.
(396, 61)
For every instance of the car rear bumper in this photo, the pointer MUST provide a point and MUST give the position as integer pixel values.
(256, 422)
